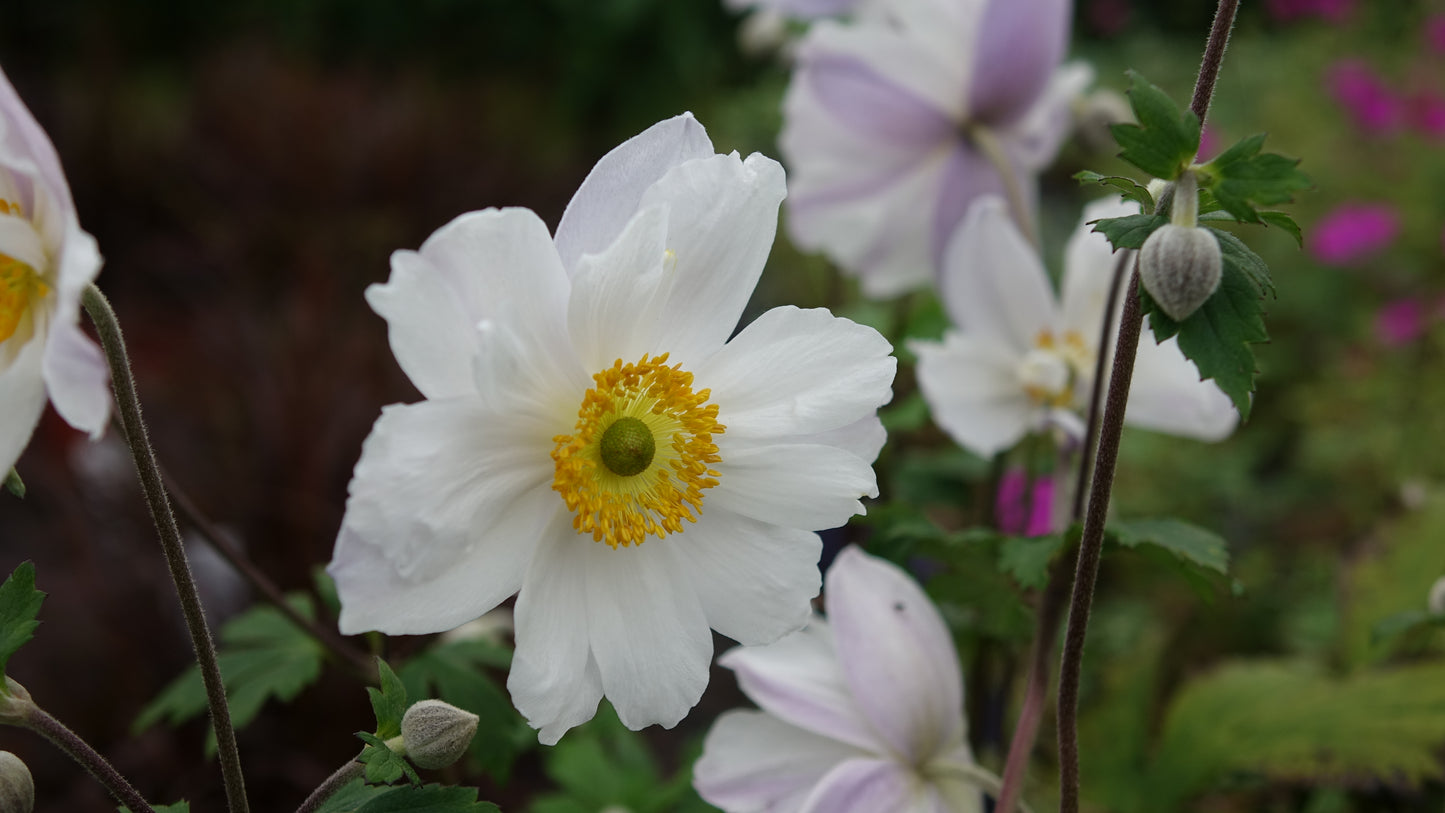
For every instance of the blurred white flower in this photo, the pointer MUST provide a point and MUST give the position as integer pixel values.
(1020, 360)
(885, 122)
(1436, 602)
(582, 395)
(862, 713)
(46, 263)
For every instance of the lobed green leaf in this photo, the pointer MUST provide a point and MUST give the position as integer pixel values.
(1191, 543)
(1129, 231)
(389, 702)
(1129, 188)
(19, 612)
(1242, 179)
(383, 765)
(428, 799)
(1027, 559)
(1165, 140)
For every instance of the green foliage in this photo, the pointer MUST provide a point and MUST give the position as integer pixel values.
(1190, 543)
(1242, 179)
(1289, 721)
(1394, 578)
(19, 610)
(1027, 559)
(1165, 140)
(456, 672)
(1129, 231)
(261, 655)
(1405, 626)
(1129, 188)
(178, 807)
(428, 799)
(14, 484)
(383, 765)
(352, 796)
(388, 702)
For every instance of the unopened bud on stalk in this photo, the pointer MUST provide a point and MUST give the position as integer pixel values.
(1180, 265)
(1437, 597)
(15, 704)
(436, 734)
(17, 788)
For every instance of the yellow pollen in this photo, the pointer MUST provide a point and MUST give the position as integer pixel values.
(9, 207)
(19, 287)
(624, 509)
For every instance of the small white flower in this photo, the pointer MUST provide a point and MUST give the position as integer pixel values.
(1020, 360)
(46, 263)
(862, 713)
(592, 441)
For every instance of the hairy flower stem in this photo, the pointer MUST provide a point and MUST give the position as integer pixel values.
(333, 783)
(38, 720)
(988, 144)
(1051, 605)
(108, 327)
(1092, 542)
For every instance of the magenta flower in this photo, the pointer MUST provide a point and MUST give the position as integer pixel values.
(1352, 232)
(1023, 509)
(885, 118)
(862, 713)
(1427, 113)
(1435, 33)
(1400, 322)
(1373, 106)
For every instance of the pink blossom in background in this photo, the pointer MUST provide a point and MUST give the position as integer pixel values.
(1374, 107)
(1021, 512)
(1435, 33)
(1352, 232)
(1427, 113)
(1400, 322)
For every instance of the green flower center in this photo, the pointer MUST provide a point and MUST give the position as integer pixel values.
(627, 447)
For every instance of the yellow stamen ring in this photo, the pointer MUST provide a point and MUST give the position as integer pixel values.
(19, 287)
(639, 458)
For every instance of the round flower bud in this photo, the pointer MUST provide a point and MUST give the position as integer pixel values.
(1180, 266)
(436, 734)
(17, 789)
(1437, 597)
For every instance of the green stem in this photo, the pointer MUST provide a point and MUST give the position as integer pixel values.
(343, 777)
(988, 144)
(38, 720)
(111, 341)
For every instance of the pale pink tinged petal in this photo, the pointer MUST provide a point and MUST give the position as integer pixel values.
(804, 486)
(798, 680)
(554, 680)
(752, 761)
(22, 141)
(974, 393)
(1089, 267)
(722, 217)
(873, 106)
(796, 371)
(77, 378)
(22, 399)
(616, 292)
(20, 241)
(613, 190)
(896, 654)
(1034, 140)
(863, 439)
(435, 480)
(1167, 395)
(895, 56)
(968, 178)
(649, 635)
(1020, 44)
(864, 785)
(993, 285)
(755, 580)
(78, 265)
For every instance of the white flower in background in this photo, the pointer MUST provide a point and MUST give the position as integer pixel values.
(885, 118)
(1020, 360)
(799, 9)
(46, 263)
(592, 441)
(862, 713)
(1436, 602)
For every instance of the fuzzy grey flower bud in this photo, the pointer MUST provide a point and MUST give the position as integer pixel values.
(1180, 266)
(436, 734)
(17, 789)
(1437, 597)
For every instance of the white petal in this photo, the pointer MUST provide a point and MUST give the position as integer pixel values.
(77, 378)
(1167, 395)
(896, 655)
(78, 261)
(805, 486)
(863, 438)
(722, 217)
(616, 293)
(1089, 265)
(866, 785)
(20, 241)
(794, 372)
(477, 266)
(798, 680)
(1035, 139)
(649, 636)
(903, 54)
(24, 147)
(753, 761)
(22, 399)
(974, 393)
(554, 681)
(612, 192)
(755, 581)
(993, 284)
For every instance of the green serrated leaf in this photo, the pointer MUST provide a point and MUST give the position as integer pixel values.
(1190, 543)
(389, 702)
(383, 765)
(1165, 140)
(19, 610)
(14, 484)
(456, 672)
(1283, 221)
(428, 799)
(1129, 231)
(1129, 188)
(1242, 179)
(1233, 251)
(1027, 559)
(352, 796)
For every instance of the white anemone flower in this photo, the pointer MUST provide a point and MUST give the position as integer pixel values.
(592, 441)
(861, 713)
(1020, 360)
(46, 263)
(894, 124)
